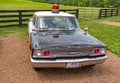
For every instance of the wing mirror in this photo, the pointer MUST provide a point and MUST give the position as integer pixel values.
(86, 30)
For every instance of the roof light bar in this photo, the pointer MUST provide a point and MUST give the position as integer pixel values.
(55, 8)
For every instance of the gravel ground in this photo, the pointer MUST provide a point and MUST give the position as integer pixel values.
(15, 67)
(111, 23)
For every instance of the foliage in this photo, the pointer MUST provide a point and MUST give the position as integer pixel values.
(85, 3)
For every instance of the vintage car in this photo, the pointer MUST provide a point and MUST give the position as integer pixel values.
(56, 40)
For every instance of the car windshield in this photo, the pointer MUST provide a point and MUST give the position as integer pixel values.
(57, 22)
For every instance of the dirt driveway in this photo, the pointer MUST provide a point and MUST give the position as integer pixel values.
(111, 23)
(15, 67)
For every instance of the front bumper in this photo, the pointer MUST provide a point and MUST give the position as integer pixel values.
(66, 63)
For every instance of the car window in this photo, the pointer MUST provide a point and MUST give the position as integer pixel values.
(58, 22)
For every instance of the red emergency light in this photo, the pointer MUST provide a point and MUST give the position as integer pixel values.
(55, 8)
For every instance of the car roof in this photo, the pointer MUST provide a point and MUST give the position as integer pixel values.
(49, 13)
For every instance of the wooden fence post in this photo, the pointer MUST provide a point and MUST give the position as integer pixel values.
(20, 18)
(77, 13)
(105, 13)
(111, 12)
(99, 14)
(117, 12)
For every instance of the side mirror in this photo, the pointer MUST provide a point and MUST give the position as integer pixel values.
(86, 30)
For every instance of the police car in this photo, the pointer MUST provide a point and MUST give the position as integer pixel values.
(56, 40)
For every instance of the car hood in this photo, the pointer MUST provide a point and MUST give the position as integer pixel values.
(71, 37)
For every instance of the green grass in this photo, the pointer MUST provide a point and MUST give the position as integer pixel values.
(15, 31)
(112, 19)
(110, 35)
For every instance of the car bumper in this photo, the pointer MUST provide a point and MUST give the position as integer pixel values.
(66, 63)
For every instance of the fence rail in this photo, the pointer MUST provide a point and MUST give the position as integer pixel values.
(10, 18)
(108, 12)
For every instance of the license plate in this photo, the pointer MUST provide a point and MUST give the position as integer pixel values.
(73, 65)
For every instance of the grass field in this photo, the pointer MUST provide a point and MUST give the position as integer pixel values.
(112, 19)
(26, 5)
(108, 34)
(86, 13)
(13, 31)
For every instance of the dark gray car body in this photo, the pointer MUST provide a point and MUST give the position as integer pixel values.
(67, 46)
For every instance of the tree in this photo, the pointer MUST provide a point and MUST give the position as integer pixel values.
(85, 3)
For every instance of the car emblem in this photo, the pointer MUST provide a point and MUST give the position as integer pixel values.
(55, 36)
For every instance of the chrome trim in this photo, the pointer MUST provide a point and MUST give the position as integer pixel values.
(62, 62)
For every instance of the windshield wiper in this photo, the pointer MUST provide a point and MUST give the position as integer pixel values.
(44, 28)
(41, 29)
(60, 28)
(67, 28)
